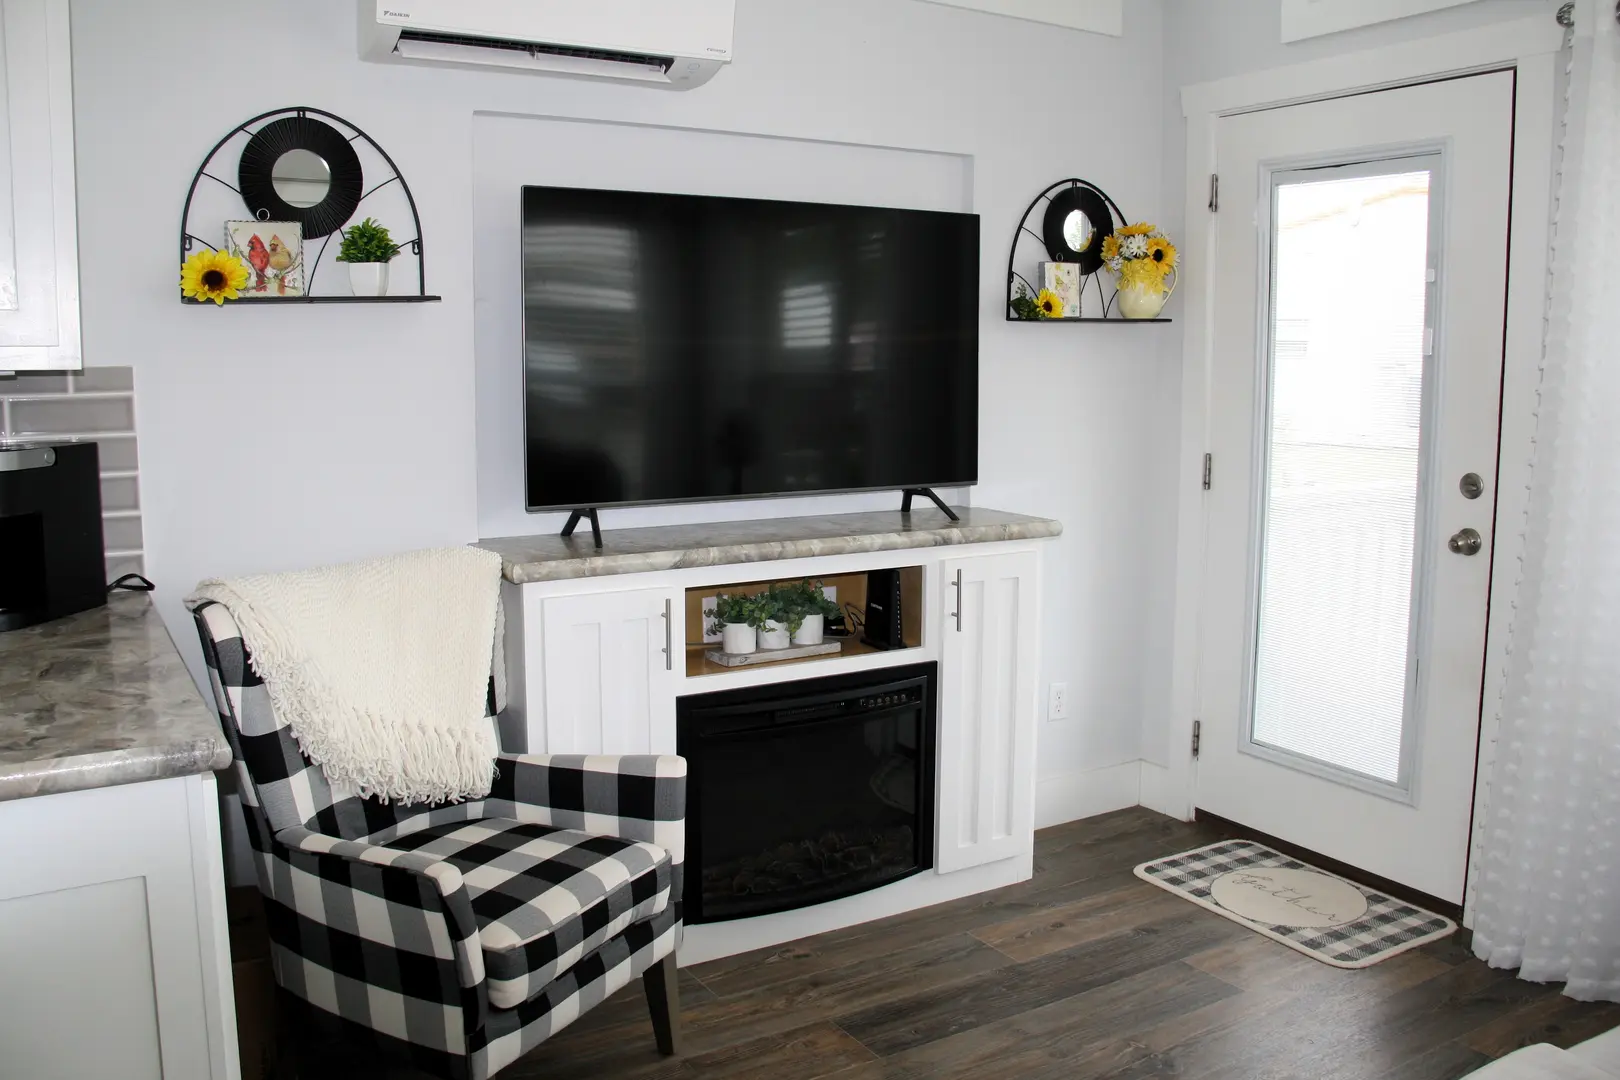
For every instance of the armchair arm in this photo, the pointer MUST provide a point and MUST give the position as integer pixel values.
(631, 796)
(397, 920)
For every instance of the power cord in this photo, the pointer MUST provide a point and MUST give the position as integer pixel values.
(853, 619)
(132, 583)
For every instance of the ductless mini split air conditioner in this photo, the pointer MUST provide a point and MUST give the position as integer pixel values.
(673, 44)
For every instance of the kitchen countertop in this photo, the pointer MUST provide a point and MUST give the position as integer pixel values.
(669, 547)
(98, 699)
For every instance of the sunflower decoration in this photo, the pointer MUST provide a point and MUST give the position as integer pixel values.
(1142, 243)
(1050, 304)
(213, 275)
(1162, 252)
(1145, 263)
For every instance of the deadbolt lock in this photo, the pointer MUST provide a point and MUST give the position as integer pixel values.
(1471, 485)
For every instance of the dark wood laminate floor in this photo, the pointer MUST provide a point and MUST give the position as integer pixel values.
(1081, 972)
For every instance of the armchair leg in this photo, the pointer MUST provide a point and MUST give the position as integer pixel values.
(662, 982)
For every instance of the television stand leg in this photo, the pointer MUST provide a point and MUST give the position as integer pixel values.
(905, 502)
(596, 527)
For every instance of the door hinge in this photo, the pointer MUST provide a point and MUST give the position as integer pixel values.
(1209, 469)
(1214, 192)
(1198, 731)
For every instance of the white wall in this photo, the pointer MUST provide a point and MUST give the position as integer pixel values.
(275, 438)
(1207, 40)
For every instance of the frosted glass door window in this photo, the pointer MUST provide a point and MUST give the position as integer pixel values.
(1333, 671)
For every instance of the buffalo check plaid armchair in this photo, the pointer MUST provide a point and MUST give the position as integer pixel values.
(457, 937)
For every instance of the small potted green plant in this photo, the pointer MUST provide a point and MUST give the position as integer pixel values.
(367, 248)
(810, 603)
(737, 620)
(780, 617)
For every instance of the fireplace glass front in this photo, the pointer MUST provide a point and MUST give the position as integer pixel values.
(803, 792)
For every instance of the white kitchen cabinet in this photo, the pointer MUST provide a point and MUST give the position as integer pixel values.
(113, 952)
(610, 672)
(39, 243)
(988, 672)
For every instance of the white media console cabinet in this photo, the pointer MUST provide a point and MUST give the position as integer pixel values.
(602, 642)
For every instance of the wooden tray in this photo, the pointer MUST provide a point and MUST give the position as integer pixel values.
(770, 656)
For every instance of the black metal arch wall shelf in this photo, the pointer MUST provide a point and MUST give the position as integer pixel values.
(278, 131)
(1103, 216)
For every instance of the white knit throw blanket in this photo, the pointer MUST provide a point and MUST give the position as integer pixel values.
(380, 668)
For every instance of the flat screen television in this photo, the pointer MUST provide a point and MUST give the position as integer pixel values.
(681, 347)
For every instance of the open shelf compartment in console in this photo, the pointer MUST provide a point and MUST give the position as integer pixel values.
(850, 593)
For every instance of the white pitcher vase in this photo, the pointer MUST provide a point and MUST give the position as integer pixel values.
(1143, 302)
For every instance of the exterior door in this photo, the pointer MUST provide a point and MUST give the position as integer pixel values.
(987, 682)
(1361, 276)
(610, 673)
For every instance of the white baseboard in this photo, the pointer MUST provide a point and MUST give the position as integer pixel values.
(1072, 796)
(1158, 795)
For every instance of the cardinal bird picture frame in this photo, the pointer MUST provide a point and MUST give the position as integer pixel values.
(273, 252)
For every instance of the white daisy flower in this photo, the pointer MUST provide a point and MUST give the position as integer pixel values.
(1133, 247)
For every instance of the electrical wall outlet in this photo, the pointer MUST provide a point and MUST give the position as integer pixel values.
(1057, 702)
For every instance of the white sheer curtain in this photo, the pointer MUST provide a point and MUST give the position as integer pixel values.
(1547, 853)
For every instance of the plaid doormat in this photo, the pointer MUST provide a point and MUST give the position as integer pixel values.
(1236, 869)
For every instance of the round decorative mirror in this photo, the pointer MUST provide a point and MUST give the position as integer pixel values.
(301, 178)
(1077, 230)
(1077, 221)
(300, 169)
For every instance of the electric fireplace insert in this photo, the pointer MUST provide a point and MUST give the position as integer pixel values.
(806, 791)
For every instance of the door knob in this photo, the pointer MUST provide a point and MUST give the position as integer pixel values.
(1465, 542)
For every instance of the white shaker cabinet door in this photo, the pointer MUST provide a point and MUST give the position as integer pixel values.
(39, 244)
(987, 709)
(610, 672)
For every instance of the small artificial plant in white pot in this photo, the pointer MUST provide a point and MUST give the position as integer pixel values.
(737, 620)
(368, 249)
(814, 609)
(780, 617)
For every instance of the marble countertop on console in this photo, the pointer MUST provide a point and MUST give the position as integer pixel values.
(98, 699)
(670, 547)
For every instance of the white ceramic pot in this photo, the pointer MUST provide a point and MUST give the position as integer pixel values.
(1140, 302)
(810, 630)
(738, 639)
(368, 279)
(774, 636)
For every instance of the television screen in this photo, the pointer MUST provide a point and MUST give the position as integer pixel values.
(682, 347)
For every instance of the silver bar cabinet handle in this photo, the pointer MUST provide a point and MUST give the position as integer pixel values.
(669, 639)
(957, 614)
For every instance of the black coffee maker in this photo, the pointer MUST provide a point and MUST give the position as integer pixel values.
(52, 560)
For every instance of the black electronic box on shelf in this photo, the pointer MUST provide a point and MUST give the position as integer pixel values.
(883, 626)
